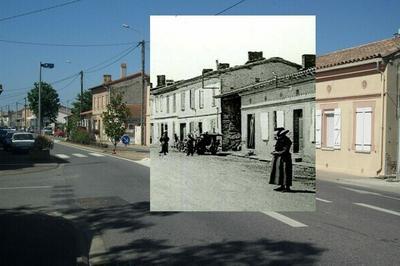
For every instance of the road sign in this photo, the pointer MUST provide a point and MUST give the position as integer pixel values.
(125, 139)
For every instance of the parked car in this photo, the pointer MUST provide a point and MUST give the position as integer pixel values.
(59, 133)
(22, 141)
(7, 140)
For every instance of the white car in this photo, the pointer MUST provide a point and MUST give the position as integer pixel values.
(22, 141)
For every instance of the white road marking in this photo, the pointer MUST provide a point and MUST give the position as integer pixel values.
(378, 208)
(96, 154)
(285, 219)
(80, 155)
(62, 156)
(370, 193)
(33, 187)
(323, 200)
(96, 248)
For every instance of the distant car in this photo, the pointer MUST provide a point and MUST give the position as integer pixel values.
(59, 133)
(22, 141)
(47, 131)
(7, 140)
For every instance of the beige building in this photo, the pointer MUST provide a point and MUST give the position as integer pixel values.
(356, 109)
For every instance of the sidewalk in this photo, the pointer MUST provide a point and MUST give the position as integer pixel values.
(132, 152)
(387, 185)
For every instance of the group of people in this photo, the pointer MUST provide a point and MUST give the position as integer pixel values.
(282, 167)
(190, 143)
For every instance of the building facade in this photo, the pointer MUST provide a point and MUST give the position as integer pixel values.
(286, 101)
(357, 99)
(130, 86)
(185, 107)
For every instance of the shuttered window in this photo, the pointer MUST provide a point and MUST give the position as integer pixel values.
(192, 99)
(318, 128)
(364, 129)
(183, 101)
(280, 119)
(336, 128)
(264, 126)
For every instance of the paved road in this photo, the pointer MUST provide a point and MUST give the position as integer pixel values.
(100, 205)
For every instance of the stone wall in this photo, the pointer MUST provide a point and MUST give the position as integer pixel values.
(231, 124)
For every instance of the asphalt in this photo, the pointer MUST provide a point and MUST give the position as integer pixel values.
(102, 204)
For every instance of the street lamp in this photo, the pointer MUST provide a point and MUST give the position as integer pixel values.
(44, 65)
(142, 126)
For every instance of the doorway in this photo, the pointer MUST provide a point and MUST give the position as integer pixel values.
(297, 130)
(250, 131)
(182, 131)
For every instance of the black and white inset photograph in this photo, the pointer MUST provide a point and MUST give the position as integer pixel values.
(232, 103)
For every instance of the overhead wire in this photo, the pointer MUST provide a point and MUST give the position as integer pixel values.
(38, 10)
(67, 44)
(230, 7)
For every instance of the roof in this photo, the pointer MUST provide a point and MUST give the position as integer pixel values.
(214, 73)
(128, 77)
(276, 82)
(87, 112)
(378, 49)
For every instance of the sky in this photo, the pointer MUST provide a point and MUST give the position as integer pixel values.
(339, 24)
(176, 39)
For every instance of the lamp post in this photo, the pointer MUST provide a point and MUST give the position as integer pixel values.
(44, 65)
(142, 111)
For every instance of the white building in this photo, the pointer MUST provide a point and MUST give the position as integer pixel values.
(186, 106)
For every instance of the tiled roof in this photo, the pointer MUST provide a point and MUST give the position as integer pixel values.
(128, 77)
(363, 52)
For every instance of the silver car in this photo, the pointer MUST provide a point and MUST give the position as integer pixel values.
(22, 141)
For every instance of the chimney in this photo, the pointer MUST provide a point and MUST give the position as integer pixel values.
(206, 70)
(223, 66)
(106, 78)
(254, 56)
(169, 82)
(160, 80)
(123, 70)
(308, 60)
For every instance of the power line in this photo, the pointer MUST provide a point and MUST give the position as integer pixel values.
(38, 10)
(113, 62)
(67, 44)
(232, 6)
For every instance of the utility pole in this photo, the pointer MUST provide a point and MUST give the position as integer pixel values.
(81, 104)
(16, 114)
(40, 101)
(142, 121)
(25, 113)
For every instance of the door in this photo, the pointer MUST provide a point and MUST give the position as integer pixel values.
(182, 131)
(250, 131)
(297, 130)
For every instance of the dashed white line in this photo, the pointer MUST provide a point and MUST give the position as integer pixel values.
(284, 219)
(377, 208)
(62, 156)
(324, 200)
(79, 155)
(370, 193)
(32, 187)
(96, 154)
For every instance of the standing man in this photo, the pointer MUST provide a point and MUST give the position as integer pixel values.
(164, 143)
(190, 145)
(282, 167)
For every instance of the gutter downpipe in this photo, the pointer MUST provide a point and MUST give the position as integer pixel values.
(383, 94)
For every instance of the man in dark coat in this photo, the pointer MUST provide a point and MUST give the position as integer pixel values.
(164, 143)
(190, 145)
(282, 167)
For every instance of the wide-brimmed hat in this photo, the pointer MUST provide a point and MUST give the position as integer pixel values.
(283, 132)
(279, 129)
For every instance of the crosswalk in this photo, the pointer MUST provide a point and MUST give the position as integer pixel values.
(77, 155)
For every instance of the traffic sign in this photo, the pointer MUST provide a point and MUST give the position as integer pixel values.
(125, 139)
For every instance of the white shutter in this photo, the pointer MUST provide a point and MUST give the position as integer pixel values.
(367, 130)
(364, 129)
(318, 128)
(280, 119)
(264, 126)
(359, 130)
(336, 134)
(312, 126)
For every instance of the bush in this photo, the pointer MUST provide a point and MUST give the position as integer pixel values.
(43, 143)
(81, 136)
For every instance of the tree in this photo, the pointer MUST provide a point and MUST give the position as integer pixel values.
(115, 118)
(50, 102)
(86, 102)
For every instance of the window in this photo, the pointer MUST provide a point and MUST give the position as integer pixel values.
(212, 125)
(192, 99)
(264, 126)
(191, 127)
(279, 119)
(201, 99)
(167, 104)
(213, 99)
(102, 101)
(156, 103)
(363, 129)
(183, 101)
(161, 103)
(174, 103)
(98, 101)
(331, 129)
(200, 126)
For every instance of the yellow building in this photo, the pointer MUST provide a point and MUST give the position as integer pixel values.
(356, 109)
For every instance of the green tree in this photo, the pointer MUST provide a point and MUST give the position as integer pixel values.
(49, 100)
(86, 102)
(115, 118)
